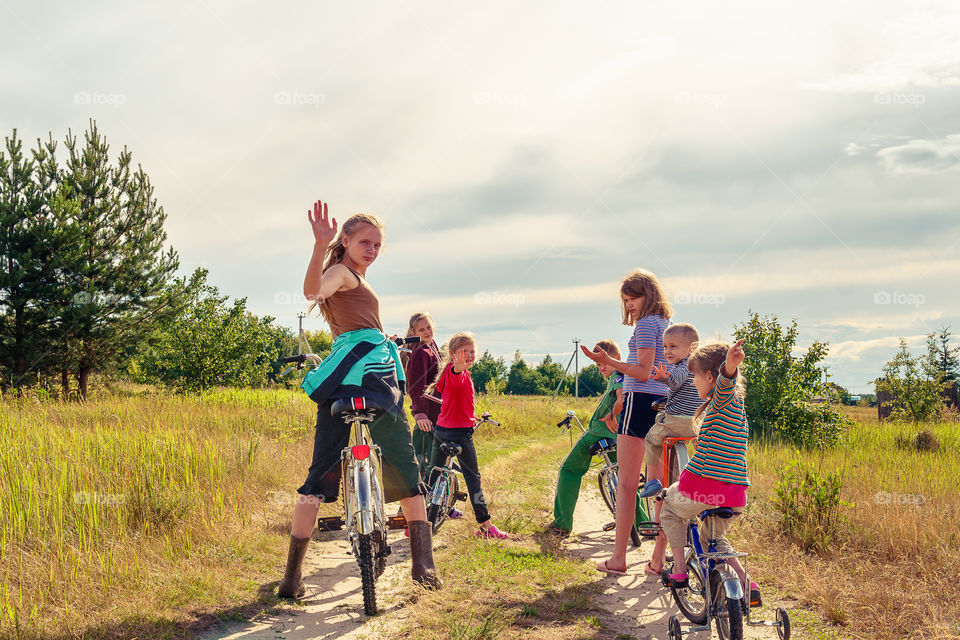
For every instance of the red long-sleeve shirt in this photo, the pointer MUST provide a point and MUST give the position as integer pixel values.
(457, 410)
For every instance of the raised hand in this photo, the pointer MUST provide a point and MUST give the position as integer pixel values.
(460, 360)
(324, 228)
(660, 372)
(735, 356)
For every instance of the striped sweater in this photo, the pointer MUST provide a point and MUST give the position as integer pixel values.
(722, 444)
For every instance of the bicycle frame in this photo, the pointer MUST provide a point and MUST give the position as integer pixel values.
(364, 511)
(711, 561)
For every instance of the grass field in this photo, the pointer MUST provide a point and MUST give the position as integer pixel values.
(148, 515)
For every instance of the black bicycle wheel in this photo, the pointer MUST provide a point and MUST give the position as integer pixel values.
(607, 479)
(674, 464)
(729, 612)
(365, 558)
(692, 599)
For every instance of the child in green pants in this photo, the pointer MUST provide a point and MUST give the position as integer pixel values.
(603, 424)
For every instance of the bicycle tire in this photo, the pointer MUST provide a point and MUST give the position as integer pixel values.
(365, 558)
(729, 612)
(605, 490)
(674, 464)
(692, 600)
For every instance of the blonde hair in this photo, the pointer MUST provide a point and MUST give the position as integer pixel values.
(643, 283)
(457, 341)
(709, 358)
(685, 329)
(336, 250)
(414, 319)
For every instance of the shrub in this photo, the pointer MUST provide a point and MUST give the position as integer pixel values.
(809, 506)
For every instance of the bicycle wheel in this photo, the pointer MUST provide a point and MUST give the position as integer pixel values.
(692, 600)
(365, 558)
(607, 479)
(674, 464)
(439, 496)
(729, 612)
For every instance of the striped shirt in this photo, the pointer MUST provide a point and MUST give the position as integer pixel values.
(682, 399)
(647, 334)
(722, 444)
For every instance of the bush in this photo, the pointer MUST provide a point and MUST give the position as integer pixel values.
(913, 387)
(780, 385)
(809, 506)
(925, 442)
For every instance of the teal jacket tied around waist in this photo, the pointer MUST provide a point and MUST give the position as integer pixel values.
(362, 363)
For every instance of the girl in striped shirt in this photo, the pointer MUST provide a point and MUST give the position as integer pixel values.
(717, 474)
(648, 311)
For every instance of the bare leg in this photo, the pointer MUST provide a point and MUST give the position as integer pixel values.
(678, 557)
(659, 553)
(304, 516)
(414, 508)
(630, 458)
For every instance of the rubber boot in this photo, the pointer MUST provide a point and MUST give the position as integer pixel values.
(292, 585)
(421, 551)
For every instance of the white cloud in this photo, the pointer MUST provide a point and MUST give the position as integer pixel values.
(854, 349)
(921, 157)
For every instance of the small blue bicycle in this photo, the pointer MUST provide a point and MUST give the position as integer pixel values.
(720, 595)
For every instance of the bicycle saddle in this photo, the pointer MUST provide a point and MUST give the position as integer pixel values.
(720, 512)
(354, 407)
(658, 404)
(603, 444)
(450, 448)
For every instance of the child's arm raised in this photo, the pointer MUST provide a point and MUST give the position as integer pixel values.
(641, 371)
(726, 385)
(318, 286)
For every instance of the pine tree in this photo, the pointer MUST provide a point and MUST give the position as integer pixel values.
(117, 281)
(942, 356)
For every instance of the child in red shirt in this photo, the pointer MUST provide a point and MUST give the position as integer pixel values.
(457, 422)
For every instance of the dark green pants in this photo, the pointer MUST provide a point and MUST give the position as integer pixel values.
(572, 471)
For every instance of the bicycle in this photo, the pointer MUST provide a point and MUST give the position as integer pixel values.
(364, 518)
(445, 491)
(607, 475)
(719, 597)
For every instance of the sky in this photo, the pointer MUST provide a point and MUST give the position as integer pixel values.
(800, 160)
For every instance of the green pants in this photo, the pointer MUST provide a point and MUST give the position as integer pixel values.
(572, 471)
(423, 448)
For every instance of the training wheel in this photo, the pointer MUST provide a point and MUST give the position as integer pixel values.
(783, 624)
(673, 629)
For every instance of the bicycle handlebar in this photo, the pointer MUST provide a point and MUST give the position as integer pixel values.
(485, 417)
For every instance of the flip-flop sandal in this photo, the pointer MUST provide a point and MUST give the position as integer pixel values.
(650, 572)
(602, 566)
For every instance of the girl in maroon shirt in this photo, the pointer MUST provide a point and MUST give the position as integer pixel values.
(457, 421)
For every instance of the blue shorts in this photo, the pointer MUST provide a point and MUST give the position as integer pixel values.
(637, 415)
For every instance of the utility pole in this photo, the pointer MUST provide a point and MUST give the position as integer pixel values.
(576, 368)
(300, 339)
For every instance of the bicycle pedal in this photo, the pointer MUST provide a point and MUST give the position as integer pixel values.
(384, 552)
(610, 526)
(461, 495)
(332, 523)
(397, 522)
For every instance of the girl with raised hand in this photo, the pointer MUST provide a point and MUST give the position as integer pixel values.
(648, 311)
(457, 422)
(716, 475)
(362, 362)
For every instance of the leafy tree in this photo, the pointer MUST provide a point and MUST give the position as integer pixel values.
(592, 382)
(944, 357)
(522, 380)
(551, 373)
(915, 385)
(489, 374)
(779, 384)
(213, 343)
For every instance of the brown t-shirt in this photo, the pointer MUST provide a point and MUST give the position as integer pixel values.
(356, 308)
